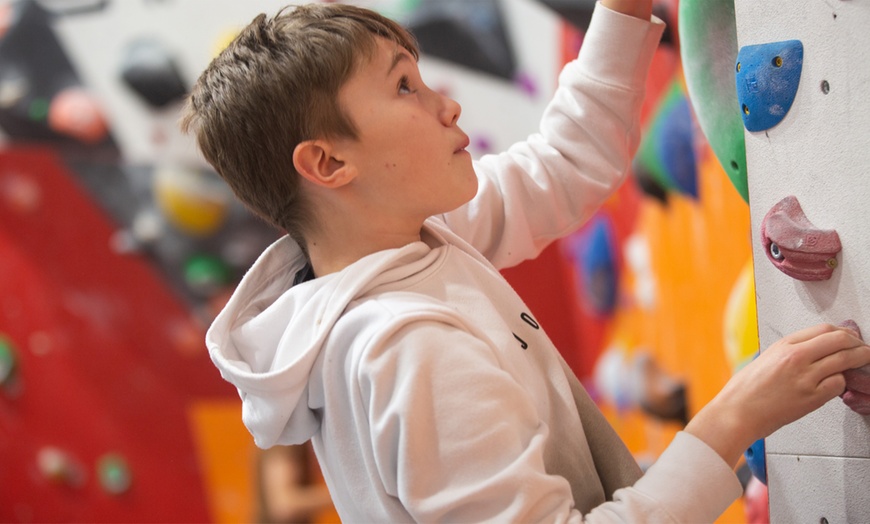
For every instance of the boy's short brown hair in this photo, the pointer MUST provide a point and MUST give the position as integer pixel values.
(275, 86)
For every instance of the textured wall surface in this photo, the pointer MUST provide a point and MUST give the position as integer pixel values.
(818, 466)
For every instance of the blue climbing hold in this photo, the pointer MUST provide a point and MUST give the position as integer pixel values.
(667, 151)
(767, 82)
(675, 147)
(756, 461)
(593, 250)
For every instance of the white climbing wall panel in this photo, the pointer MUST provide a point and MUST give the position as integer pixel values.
(819, 467)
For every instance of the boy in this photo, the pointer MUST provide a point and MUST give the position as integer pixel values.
(380, 327)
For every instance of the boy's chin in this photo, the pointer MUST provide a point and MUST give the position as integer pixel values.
(460, 204)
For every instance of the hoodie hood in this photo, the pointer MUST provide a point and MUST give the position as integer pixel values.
(269, 335)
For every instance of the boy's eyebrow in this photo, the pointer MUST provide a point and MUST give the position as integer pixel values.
(398, 57)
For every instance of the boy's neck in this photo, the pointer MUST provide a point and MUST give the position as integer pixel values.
(331, 253)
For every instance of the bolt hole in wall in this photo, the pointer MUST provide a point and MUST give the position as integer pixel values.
(826, 87)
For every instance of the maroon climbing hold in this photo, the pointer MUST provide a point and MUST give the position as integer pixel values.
(857, 394)
(795, 246)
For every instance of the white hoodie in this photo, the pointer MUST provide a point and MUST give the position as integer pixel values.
(428, 388)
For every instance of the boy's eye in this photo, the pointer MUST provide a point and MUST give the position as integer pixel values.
(405, 86)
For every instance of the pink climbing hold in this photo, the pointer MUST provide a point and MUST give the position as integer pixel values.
(857, 394)
(795, 246)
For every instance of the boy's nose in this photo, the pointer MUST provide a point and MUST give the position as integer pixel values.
(450, 110)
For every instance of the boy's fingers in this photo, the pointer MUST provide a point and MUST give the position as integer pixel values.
(809, 333)
(828, 343)
(832, 386)
(846, 359)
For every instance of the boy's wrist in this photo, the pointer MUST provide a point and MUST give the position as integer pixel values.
(618, 49)
(723, 430)
(637, 8)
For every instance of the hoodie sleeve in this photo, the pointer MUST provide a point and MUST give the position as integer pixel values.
(456, 439)
(547, 186)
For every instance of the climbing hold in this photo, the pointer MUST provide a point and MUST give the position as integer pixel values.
(114, 474)
(768, 76)
(648, 184)
(526, 83)
(223, 41)
(75, 112)
(5, 17)
(148, 69)
(676, 146)
(34, 68)
(667, 151)
(851, 324)
(206, 275)
(194, 201)
(756, 505)
(857, 394)
(708, 49)
(756, 461)
(59, 467)
(658, 393)
(795, 246)
(593, 251)
(469, 34)
(13, 87)
(482, 144)
(37, 110)
(638, 260)
(741, 320)
(611, 376)
(20, 193)
(8, 362)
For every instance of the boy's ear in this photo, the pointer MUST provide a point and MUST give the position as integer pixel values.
(315, 160)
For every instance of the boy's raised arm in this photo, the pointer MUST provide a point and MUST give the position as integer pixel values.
(547, 186)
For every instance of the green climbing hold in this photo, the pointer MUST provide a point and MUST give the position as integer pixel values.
(8, 361)
(206, 274)
(114, 473)
(708, 48)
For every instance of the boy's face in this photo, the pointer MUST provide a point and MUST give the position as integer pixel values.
(409, 154)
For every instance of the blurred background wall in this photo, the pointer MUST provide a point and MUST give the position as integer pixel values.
(118, 245)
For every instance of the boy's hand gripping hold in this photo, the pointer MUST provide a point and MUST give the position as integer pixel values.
(793, 377)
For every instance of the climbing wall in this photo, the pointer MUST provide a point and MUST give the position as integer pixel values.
(803, 85)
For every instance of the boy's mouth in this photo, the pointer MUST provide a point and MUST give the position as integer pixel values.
(463, 145)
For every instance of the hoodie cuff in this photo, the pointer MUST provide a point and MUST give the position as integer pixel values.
(691, 481)
(619, 48)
